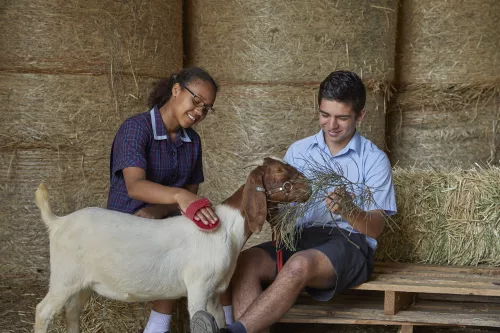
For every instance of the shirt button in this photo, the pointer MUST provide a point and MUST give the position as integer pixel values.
(173, 153)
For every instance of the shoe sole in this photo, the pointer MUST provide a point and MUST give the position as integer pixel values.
(203, 322)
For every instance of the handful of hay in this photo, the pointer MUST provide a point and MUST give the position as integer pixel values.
(323, 177)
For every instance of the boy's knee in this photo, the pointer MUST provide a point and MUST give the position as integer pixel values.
(311, 268)
(299, 267)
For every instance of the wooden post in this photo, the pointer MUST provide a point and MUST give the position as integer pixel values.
(396, 300)
(406, 329)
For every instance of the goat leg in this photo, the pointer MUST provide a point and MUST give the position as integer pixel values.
(215, 308)
(48, 307)
(74, 308)
(197, 296)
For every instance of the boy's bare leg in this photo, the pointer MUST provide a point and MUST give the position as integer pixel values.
(254, 266)
(258, 310)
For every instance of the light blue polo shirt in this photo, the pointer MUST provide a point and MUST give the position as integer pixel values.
(361, 162)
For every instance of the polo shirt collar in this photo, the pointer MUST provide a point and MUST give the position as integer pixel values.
(353, 144)
(159, 130)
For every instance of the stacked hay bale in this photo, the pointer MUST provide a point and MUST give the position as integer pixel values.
(448, 110)
(445, 116)
(70, 73)
(292, 41)
(446, 217)
(269, 58)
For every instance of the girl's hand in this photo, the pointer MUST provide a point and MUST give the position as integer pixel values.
(205, 215)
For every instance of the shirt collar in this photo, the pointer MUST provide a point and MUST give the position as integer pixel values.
(353, 144)
(159, 130)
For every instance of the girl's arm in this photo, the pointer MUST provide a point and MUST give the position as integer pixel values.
(139, 188)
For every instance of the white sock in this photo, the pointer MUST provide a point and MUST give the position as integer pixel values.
(158, 323)
(228, 314)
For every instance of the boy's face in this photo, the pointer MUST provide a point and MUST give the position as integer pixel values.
(338, 121)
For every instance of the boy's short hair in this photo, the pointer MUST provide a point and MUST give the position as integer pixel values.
(345, 87)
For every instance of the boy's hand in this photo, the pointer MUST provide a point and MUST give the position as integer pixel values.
(339, 201)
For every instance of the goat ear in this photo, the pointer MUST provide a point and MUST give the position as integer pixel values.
(254, 203)
(267, 160)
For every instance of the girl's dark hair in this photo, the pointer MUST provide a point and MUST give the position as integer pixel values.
(163, 89)
(345, 87)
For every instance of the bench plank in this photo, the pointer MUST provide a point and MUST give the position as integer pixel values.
(429, 287)
(423, 313)
(459, 280)
(381, 266)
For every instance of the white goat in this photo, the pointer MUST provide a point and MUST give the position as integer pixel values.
(129, 258)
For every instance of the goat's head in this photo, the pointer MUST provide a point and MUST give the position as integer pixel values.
(268, 185)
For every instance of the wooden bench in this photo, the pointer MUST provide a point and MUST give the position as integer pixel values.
(411, 295)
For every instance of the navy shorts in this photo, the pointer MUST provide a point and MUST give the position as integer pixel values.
(352, 265)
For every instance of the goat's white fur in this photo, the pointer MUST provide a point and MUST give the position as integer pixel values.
(129, 258)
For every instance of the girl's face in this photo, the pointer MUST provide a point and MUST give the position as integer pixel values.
(192, 103)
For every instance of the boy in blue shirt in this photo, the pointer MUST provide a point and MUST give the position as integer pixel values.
(328, 259)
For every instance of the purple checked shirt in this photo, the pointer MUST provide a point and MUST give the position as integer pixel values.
(142, 142)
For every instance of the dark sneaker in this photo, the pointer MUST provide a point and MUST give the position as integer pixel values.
(204, 322)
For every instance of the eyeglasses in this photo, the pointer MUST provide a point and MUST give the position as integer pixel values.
(198, 102)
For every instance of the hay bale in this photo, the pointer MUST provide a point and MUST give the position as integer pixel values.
(291, 41)
(451, 41)
(454, 125)
(64, 110)
(445, 217)
(137, 36)
(254, 121)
